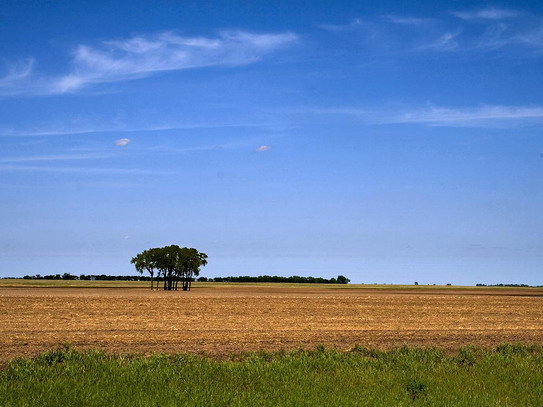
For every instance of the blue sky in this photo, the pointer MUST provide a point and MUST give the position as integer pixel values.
(389, 141)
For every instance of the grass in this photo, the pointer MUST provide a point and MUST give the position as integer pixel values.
(511, 375)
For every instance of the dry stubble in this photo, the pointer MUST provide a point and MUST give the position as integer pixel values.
(219, 321)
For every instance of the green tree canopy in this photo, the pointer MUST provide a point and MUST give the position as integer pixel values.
(172, 263)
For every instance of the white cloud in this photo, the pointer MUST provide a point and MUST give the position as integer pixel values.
(263, 148)
(146, 55)
(142, 56)
(132, 125)
(445, 42)
(482, 116)
(88, 170)
(122, 142)
(61, 157)
(487, 29)
(408, 20)
(16, 77)
(489, 13)
(532, 38)
(354, 24)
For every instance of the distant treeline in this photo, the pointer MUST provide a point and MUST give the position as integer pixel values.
(506, 285)
(277, 279)
(102, 277)
(231, 279)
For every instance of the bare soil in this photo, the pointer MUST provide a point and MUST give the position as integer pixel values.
(219, 320)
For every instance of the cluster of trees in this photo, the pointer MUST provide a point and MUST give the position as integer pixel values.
(171, 265)
(278, 279)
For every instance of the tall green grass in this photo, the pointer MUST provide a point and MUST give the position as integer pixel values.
(511, 375)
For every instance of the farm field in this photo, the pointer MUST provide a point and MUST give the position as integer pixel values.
(220, 319)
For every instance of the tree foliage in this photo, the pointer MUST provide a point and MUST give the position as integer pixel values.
(278, 279)
(171, 265)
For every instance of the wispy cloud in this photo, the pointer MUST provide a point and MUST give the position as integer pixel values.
(482, 116)
(405, 20)
(84, 170)
(488, 13)
(16, 77)
(499, 28)
(263, 148)
(446, 42)
(501, 35)
(479, 116)
(145, 55)
(102, 126)
(352, 25)
(488, 29)
(58, 157)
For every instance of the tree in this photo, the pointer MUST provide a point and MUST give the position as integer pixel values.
(146, 261)
(173, 263)
(191, 261)
(342, 280)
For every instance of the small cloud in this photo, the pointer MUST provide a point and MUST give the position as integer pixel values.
(263, 148)
(122, 142)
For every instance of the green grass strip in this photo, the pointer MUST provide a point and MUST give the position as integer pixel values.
(511, 375)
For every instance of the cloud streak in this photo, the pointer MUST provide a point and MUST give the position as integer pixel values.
(487, 29)
(489, 13)
(353, 25)
(445, 42)
(116, 127)
(87, 170)
(483, 116)
(143, 56)
(16, 78)
(59, 157)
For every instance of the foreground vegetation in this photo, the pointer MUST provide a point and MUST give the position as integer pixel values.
(511, 375)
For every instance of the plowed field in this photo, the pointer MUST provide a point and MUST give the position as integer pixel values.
(222, 320)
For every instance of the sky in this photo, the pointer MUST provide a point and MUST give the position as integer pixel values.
(390, 142)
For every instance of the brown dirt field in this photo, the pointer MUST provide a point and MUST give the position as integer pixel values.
(222, 320)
